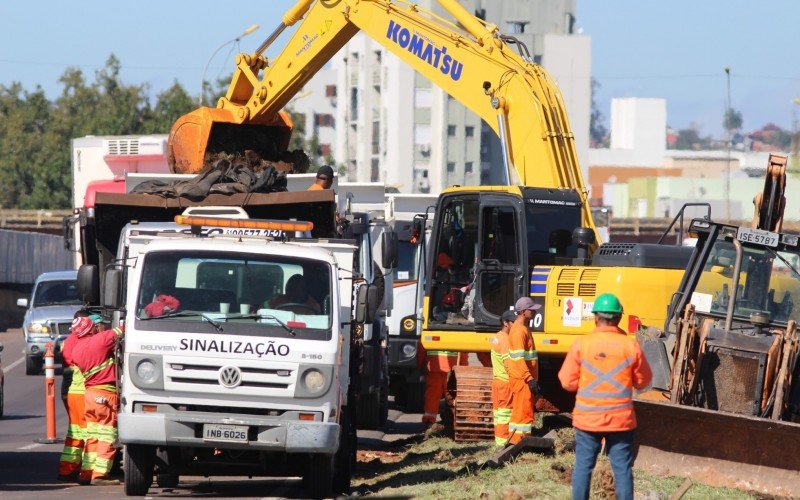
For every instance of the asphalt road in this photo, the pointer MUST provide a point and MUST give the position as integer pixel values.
(28, 469)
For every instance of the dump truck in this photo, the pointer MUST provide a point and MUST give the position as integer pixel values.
(238, 375)
(724, 406)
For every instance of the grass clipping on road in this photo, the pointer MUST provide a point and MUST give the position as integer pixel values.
(438, 467)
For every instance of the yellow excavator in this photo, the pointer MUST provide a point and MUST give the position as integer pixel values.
(532, 236)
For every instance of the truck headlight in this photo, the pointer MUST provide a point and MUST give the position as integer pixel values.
(38, 328)
(147, 371)
(314, 380)
(409, 350)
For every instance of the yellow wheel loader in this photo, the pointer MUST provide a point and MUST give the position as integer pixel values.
(724, 407)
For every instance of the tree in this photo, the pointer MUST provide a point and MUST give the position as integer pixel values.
(732, 120)
(598, 133)
(170, 105)
(690, 138)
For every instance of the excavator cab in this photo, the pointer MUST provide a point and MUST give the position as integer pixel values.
(485, 245)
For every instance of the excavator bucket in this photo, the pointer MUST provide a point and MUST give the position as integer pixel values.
(205, 132)
(718, 448)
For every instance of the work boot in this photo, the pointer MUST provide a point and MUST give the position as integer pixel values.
(105, 481)
(69, 478)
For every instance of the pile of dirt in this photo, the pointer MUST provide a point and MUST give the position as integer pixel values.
(603, 479)
(289, 162)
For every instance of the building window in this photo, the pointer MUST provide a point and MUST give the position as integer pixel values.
(323, 119)
(376, 137)
(375, 173)
(451, 131)
(451, 167)
(423, 98)
(354, 104)
(469, 131)
(516, 27)
(422, 134)
(468, 168)
(330, 90)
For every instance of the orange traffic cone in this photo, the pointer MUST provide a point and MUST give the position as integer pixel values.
(50, 396)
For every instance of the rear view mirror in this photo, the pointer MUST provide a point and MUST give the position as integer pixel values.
(112, 286)
(22, 303)
(389, 250)
(89, 284)
(366, 304)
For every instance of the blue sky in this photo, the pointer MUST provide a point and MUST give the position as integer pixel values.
(672, 49)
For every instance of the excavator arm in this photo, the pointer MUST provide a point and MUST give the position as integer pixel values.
(771, 202)
(471, 61)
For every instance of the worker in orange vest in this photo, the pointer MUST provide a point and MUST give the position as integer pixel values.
(523, 370)
(437, 366)
(501, 390)
(324, 179)
(604, 367)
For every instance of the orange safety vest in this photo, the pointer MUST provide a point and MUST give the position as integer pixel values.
(607, 365)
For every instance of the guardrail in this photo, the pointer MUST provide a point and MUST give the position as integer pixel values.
(16, 219)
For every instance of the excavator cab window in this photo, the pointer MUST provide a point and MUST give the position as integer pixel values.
(496, 273)
(549, 230)
(453, 258)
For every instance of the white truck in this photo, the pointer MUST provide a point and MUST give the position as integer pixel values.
(409, 216)
(245, 375)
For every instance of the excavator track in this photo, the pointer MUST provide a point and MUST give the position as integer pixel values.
(473, 415)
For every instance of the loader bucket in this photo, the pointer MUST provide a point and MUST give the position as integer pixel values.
(718, 448)
(206, 131)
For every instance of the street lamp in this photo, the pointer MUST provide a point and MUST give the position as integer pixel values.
(232, 40)
(728, 129)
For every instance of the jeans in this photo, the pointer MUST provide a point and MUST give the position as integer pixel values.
(619, 446)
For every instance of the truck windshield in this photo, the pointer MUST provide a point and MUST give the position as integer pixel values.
(247, 294)
(406, 261)
(52, 293)
(769, 281)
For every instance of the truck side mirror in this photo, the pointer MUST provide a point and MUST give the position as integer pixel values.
(111, 289)
(366, 304)
(22, 303)
(89, 284)
(389, 250)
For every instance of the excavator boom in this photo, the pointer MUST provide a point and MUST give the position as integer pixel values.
(469, 60)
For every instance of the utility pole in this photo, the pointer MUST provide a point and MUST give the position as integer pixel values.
(728, 143)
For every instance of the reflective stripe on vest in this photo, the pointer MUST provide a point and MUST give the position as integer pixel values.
(97, 369)
(523, 354)
(590, 391)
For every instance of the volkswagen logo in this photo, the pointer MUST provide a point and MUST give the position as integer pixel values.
(230, 377)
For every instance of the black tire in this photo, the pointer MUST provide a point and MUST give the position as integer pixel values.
(319, 476)
(369, 411)
(33, 366)
(383, 406)
(139, 461)
(414, 401)
(167, 480)
(344, 460)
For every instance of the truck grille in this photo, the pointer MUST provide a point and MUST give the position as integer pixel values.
(62, 328)
(255, 380)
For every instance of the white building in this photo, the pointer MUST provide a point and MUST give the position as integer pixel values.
(394, 126)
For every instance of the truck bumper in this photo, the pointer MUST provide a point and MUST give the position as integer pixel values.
(174, 429)
(402, 364)
(36, 348)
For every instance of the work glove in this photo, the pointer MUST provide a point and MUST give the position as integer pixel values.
(533, 385)
(101, 400)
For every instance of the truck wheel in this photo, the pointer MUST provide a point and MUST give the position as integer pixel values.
(167, 480)
(414, 397)
(343, 461)
(369, 411)
(319, 476)
(138, 467)
(33, 366)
